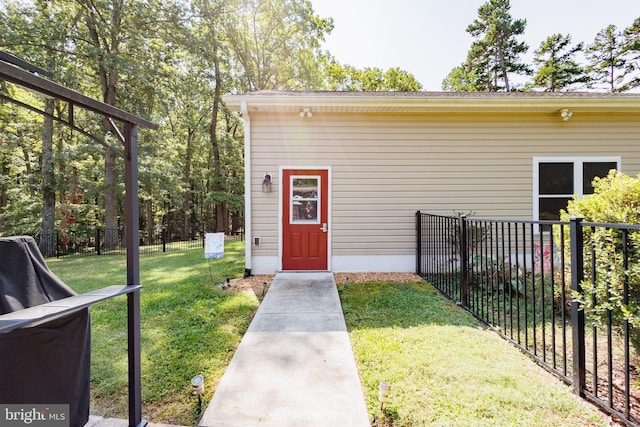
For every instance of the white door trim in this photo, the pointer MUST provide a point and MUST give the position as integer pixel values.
(281, 169)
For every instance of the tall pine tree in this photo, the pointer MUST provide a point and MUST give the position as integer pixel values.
(495, 54)
(631, 50)
(556, 66)
(606, 60)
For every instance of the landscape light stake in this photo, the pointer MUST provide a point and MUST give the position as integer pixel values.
(344, 284)
(383, 392)
(197, 384)
(210, 272)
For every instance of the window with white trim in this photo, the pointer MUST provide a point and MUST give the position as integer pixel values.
(557, 179)
(305, 203)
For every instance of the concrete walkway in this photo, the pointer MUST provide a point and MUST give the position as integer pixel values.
(295, 365)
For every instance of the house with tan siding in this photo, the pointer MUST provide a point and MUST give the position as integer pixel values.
(333, 179)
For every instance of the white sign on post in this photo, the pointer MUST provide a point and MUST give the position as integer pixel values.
(214, 245)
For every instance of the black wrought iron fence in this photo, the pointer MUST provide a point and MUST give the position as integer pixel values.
(111, 242)
(566, 293)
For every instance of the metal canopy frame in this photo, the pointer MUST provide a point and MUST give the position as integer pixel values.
(21, 73)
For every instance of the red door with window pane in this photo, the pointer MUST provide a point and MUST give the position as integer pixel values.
(305, 219)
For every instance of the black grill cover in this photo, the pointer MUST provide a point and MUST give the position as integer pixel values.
(48, 363)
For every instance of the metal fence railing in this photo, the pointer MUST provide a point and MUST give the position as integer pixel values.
(111, 242)
(566, 293)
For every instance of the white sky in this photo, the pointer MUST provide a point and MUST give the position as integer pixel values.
(427, 37)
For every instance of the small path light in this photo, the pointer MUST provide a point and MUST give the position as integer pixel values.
(344, 284)
(383, 392)
(197, 384)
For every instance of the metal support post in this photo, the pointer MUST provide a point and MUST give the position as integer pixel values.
(577, 315)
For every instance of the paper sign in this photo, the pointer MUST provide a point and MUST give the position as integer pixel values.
(214, 245)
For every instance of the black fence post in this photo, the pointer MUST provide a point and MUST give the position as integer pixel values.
(464, 279)
(164, 239)
(418, 243)
(577, 315)
(98, 243)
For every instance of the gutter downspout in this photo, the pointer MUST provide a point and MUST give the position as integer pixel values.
(247, 188)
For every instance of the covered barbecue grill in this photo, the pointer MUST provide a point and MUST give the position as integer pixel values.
(124, 127)
(47, 362)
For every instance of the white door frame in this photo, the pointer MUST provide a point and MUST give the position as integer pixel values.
(281, 196)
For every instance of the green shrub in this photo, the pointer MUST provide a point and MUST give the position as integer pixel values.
(616, 199)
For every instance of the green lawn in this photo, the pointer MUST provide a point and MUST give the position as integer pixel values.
(189, 327)
(447, 370)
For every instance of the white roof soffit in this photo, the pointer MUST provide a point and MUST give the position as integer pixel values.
(420, 102)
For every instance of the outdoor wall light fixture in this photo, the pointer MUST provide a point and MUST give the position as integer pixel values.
(383, 392)
(306, 112)
(565, 114)
(266, 183)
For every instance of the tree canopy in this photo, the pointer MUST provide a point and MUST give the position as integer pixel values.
(494, 60)
(170, 61)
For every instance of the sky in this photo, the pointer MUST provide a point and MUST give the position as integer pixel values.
(428, 38)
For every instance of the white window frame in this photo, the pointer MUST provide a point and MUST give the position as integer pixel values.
(578, 162)
(318, 200)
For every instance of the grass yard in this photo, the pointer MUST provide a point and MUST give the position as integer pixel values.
(189, 327)
(444, 368)
(447, 370)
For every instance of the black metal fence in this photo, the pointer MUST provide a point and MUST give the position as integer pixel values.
(112, 242)
(566, 293)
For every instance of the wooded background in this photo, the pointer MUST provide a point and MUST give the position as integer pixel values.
(171, 61)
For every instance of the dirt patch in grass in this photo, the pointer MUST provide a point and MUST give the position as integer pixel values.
(259, 282)
(256, 284)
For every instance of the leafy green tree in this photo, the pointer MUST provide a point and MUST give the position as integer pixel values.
(631, 49)
(105, 33)
(461, 79)
(347, 78)
(606, 59)
(276, 44)
(556, 66)
(396, 79)
(36, 32)
(495, 53)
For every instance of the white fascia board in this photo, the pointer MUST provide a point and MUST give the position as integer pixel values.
(436, 102)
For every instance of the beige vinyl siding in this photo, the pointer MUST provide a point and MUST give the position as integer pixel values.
(384, 167)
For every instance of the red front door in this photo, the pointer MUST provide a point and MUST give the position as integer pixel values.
(305, 219)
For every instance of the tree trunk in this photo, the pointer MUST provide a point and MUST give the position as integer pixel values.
(150, 225)
(48, 184)
(186, 196)
(3, 190)
(220, 208)
(108, 83)
(503, 68)
(111, 239)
